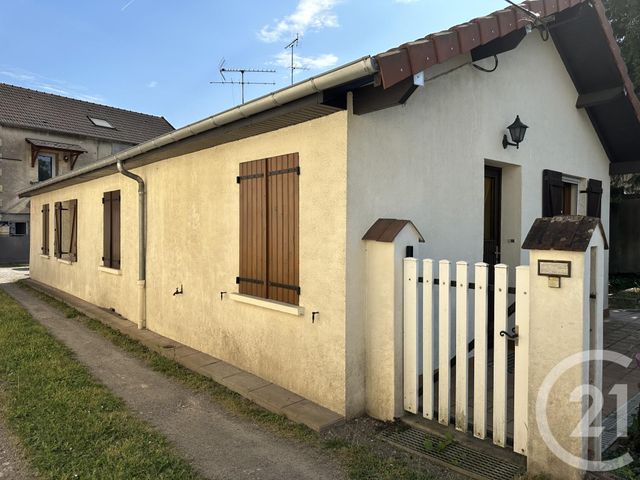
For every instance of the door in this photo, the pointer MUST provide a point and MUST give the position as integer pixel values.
(492, 218)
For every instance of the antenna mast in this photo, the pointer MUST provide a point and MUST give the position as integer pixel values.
(291, 46)
(241, 71)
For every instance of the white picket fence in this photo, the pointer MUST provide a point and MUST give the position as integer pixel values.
(427, 308)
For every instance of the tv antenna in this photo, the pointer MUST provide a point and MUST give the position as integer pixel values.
(222, 69)
(291, 46)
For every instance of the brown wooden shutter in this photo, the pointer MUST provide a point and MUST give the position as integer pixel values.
(106, 229)
(115, 229)
(73, 241)
(252, 277)
(45, 229)
(552, 193)
(283, 222)
(594, 198)
(57, 230)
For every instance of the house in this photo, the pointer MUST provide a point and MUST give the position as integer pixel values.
(241, 235)
(43, 136)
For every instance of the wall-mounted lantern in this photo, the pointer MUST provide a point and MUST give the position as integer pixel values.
(517, 130)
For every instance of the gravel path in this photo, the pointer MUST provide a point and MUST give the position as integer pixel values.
(218, 444)
(12, 464)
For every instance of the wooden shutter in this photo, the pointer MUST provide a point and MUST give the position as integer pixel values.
(252, 277)
(73, 239)
(594, 198)
(115, 229)
(552, 193)
(45, 229)
(57, 230)
(106, 229)
(283, 222)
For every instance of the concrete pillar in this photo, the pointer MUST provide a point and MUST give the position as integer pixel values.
(566, 325)
(383, 322)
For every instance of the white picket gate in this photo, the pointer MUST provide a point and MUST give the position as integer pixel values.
(434, 334)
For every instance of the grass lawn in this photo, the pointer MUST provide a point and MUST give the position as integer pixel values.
(360, 460)
(70, 426)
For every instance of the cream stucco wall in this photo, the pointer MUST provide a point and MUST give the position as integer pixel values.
(193, 237)
(424, 161)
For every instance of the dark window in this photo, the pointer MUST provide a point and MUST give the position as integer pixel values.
(269, 223)
(111, 230)
(46, 164)
(45, 229)
(21, 228)
(65, 241)
(594, 198)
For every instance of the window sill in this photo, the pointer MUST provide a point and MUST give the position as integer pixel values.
(65, 261)
(110, 271)
(270, 304)
(42, 255)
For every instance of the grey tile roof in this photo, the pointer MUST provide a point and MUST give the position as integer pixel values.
(22, 107)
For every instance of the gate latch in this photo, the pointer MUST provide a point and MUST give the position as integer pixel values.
(511, 336)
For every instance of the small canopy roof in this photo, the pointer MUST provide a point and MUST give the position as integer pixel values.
(67, 147)
(387, 229)
(571, 233)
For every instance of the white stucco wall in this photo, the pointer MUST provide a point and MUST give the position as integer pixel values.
(425, 162)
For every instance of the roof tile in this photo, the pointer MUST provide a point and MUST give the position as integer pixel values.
(23, 107)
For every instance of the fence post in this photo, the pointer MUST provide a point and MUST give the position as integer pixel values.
(444, 343)
(565, 254)
(410, 317)
(481, 350)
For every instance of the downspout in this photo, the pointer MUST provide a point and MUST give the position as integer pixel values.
(142, 245)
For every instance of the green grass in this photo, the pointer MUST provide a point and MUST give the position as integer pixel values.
(360, 461)
(71, 427)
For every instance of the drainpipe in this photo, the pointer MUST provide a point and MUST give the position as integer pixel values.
(142, 245)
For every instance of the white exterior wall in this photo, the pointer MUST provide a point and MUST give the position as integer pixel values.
(425, 162)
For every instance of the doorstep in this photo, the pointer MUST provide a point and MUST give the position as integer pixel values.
(266, 394)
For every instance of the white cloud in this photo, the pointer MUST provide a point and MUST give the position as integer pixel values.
(318, 62)
(35, 81)
(152, 84)
(127, 5)
(308, 15)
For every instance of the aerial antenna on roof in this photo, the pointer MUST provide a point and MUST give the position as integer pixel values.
(222, 69)
(536, 17)
(294, 43)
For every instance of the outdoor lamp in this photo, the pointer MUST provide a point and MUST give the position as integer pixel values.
(517, 130)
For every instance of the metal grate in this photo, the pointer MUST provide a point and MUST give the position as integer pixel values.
(474, 463)
(610, 424)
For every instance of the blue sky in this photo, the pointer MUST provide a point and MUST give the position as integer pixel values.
(158, 56)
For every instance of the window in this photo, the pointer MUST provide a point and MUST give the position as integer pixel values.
(111, 230)
(100, 122)
(46, 167)
(66, 230)
(20, 228)
(560, 195)
(45, 229)
(269, 223)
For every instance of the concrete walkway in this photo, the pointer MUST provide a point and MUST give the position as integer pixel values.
(218, 444)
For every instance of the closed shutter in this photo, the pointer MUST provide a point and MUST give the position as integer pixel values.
(45, 229)
(115, 229)
(106, 229)
(552, 193)
(594, 198)
(252, 278)
(73, 239)
(283, 220)
(57, 230)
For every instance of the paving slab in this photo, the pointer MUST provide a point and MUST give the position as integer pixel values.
(244, 382)
(274, 398)
(193, 362)
(313, 415)
(219, 371)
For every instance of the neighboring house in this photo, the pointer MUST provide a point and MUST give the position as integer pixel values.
(255, 217)
(43, 136)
